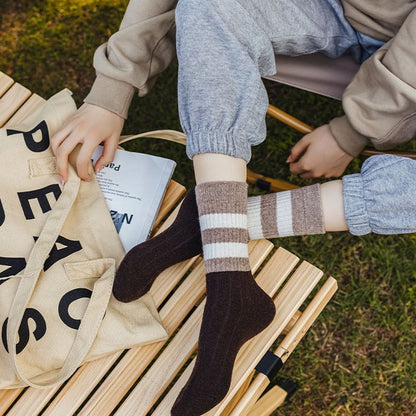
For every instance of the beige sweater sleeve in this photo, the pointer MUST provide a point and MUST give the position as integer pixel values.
(380, 102)
(133, 57)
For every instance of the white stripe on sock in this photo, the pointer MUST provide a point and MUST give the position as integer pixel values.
(284, 213)
(210, 221)
(223, 250)
(255, 229)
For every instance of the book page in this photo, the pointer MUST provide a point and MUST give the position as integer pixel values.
(134, 185)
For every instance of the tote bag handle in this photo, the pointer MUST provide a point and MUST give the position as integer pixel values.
(170, 135)
(95, 310)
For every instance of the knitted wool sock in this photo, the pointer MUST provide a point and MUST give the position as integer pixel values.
(236, 308)
(287, 213)
(144, 262)
(282, 214)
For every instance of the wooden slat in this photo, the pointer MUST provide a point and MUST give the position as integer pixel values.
(237, 397)
(28, 108)
(11, 101)
(307, 318)
(32, 401)
(276, 270)
(7, 397)
(5, 83)
(271, 401)
(117, 384)
(251, 396)
(166, 404)
(172, 196)
(164, 370)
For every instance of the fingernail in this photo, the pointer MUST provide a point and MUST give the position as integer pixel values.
(61, 181)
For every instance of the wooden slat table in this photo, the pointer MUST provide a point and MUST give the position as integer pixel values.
(146, 380)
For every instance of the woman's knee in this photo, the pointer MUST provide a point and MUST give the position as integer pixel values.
(193, 11)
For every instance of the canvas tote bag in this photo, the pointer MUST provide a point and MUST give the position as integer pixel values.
(59, 251)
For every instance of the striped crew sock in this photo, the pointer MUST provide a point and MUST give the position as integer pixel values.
(236, 308)
(282, 214)
(287, 213)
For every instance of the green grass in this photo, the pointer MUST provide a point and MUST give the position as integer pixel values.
(359, 358)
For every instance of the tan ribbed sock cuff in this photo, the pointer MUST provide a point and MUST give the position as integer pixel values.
(222, 208)
(214, 197)
(287, 213)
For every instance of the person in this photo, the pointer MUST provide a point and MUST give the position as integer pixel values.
(223, 49)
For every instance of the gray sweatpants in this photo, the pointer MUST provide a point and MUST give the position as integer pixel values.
(225, 47)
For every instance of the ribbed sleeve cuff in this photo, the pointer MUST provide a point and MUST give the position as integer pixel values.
(111, 94)
(348, 139)
(355, 210)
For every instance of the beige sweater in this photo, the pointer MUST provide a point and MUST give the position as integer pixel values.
(379, 103)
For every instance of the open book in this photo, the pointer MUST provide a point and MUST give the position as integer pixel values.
(134, 185)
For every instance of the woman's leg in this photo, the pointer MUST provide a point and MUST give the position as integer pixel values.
(381, 199)
(236, 307)
(224, 47)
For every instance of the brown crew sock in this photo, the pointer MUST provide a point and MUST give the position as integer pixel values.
(236, 308)
(287, 213)
(144, 262)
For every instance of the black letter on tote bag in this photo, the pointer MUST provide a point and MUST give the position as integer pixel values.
(65, 303)
(31, 143)
(24, 334)
(40, 195)
(2, 214)
(16, 265)
(56, 254)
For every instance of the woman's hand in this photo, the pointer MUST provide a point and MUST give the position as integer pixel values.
(89, 126)
(318, 155)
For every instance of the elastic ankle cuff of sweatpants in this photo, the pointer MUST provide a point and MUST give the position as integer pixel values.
(217, 142)
(356, 215)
